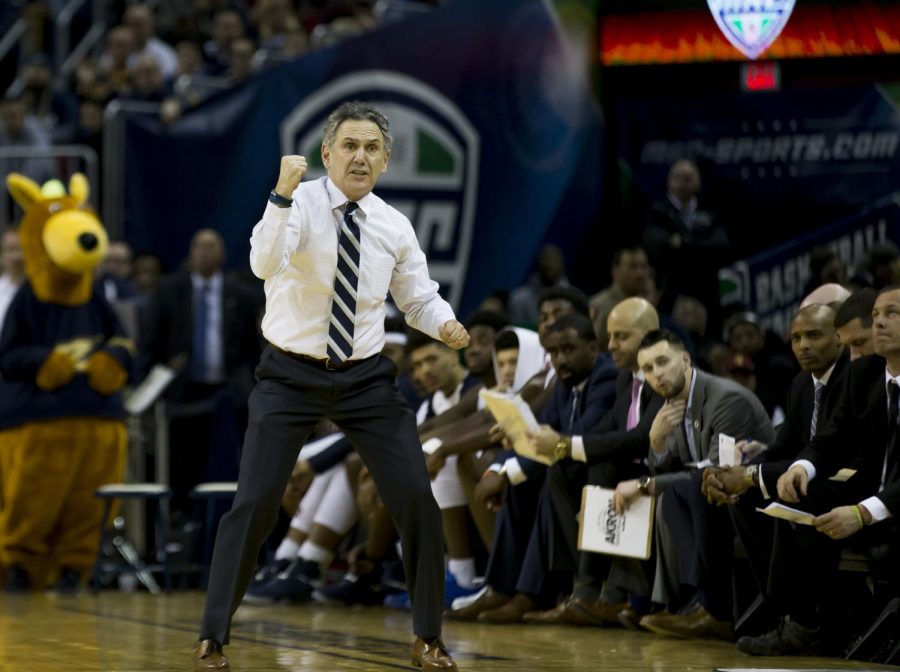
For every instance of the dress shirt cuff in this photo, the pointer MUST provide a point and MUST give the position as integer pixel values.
(578, 453)
(762, 483)
(659, 457)
(496, 468)
(514, 471)
(806, 464)
(437, 313)
(877, 508)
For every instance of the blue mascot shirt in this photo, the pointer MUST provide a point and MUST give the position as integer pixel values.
(31, 331)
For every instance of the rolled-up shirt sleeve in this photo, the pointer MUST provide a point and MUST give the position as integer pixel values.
(415, 293)
(275, 237)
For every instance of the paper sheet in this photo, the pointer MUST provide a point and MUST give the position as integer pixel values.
(777, 510)
(728, 454)
(516, 418)
(147, 392)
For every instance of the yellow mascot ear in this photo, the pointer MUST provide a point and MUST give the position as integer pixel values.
(79, 189)
(24, 190)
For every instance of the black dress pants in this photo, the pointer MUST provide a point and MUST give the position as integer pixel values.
(290, 397)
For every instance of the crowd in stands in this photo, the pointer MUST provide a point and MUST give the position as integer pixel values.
(172, 54)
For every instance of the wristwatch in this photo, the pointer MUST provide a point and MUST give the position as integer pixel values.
(644, 484)
(279, 200)
(562, 449)
(751, 476)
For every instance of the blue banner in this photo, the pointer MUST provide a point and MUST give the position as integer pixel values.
(816, 147)
(497, 137)
(772, 283)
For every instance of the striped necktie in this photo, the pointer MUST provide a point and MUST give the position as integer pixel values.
(817, 400)
(346, 279)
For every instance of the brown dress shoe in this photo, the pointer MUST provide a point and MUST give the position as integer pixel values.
(561, 614)
(208, 656)
(511, 612)
(598, 612)
(432, 656)
(630, 618)
(490, 600)
(696, 624)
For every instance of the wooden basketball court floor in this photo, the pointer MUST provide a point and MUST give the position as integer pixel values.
(138, 632)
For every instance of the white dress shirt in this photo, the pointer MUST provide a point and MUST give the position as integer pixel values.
(873, 504)
(579, 453)
(820, 422)
(8, 290)
(295, 251)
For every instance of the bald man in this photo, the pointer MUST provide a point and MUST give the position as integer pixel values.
(829, 294)
(613, 451)
(210, 323)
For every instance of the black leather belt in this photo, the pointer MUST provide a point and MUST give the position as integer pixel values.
(326, 364)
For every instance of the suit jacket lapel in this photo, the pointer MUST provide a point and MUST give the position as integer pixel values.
(696, 414)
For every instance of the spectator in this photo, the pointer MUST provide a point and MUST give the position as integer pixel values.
(12, 270)
(275, 20)
(52, 108)
(228, 26)
(241, 60)
(115, 272)
(774, 367)
(629, 278)
(551, 272)
(147, 272)
(190, 59)
(682, 240)
(18, 130)
(113, 63)
(148, 83)
(200, 315)
(877, 271)
(825, 266)
(139, 18)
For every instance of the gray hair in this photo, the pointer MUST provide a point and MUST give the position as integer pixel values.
(358, 111)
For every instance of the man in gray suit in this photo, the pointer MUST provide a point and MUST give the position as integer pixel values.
(684, 438)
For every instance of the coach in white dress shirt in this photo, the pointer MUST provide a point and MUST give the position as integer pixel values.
(329, 251)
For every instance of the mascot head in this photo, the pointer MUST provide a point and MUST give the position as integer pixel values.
(62, 239)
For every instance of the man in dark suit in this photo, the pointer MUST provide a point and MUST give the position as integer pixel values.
(685, 437)
(211, 324)
(680, 238)
(811, 400)
(862, 434)
(614, 451)
(534, 566)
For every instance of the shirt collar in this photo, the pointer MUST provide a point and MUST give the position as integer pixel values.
(681, 207)
(888, 378)
(214, 283)
(690, 399)
(825, 376)
(338, 200)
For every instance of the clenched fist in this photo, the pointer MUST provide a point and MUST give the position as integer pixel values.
(454, 334)
(293, 168)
